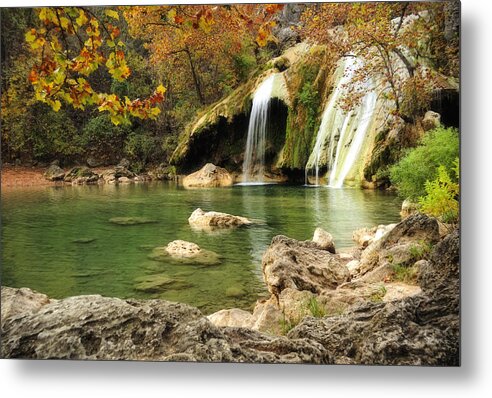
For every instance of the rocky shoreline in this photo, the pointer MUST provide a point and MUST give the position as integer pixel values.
(393, 299)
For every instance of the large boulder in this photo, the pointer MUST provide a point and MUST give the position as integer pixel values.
(423, 329)
(102, 328)
(399, 246)
(200, 219)
(289, 263)
(209, 176)
(54, 173)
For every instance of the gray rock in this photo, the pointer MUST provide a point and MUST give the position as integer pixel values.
(81, 175)
(398, 246)
(408, 207)
(21, 301)
(423, 329)
(95, 327)
(212, 219)
(289, 263)
(54, 173)
(324, 240)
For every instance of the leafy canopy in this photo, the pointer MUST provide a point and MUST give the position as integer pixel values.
(71, 45)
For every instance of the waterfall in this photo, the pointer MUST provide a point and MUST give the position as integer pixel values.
(341, 134)
(352, 149)
(333, 117)
(254, 156)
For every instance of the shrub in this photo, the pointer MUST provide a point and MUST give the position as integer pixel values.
(102, 139)
(404, 274)
(377, 297)
(439, 147)
(442, 196)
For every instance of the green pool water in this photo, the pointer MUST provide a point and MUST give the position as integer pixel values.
(59, 240)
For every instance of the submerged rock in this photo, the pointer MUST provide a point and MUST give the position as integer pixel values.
(209, 176)
(185, 252)
(132, 220)
(95, 327)
(157, 283)
(54, 173)
(83, 240)
(213, 219)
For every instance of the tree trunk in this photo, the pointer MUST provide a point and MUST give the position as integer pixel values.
(195, 77)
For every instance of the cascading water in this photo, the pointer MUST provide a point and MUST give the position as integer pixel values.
(341, 134)
(347, 153)
(333, 117)
(254, 156)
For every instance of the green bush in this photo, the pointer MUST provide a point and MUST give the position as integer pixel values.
(439, 147)
(442, 196)
(102, 139)
(143, 148)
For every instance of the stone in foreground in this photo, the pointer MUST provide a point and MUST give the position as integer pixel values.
(289, 263)
(209, 176)
(102, 328)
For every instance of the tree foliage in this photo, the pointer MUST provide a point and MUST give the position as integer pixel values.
(442, 194)
(439, 147)
(197, 48)
(402, 44)
(70, 45)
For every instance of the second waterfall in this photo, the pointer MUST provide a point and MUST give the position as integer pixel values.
(254, 155)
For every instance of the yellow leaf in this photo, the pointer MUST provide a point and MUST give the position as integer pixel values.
(160, 89)
(171, 14)
(56, 105)
(155, 112)
(82, 18)
(112, 14)
(115, 119)
(31, 35)
(64, 22)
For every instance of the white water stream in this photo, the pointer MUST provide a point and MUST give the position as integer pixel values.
(341, 134)
(254, 156)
